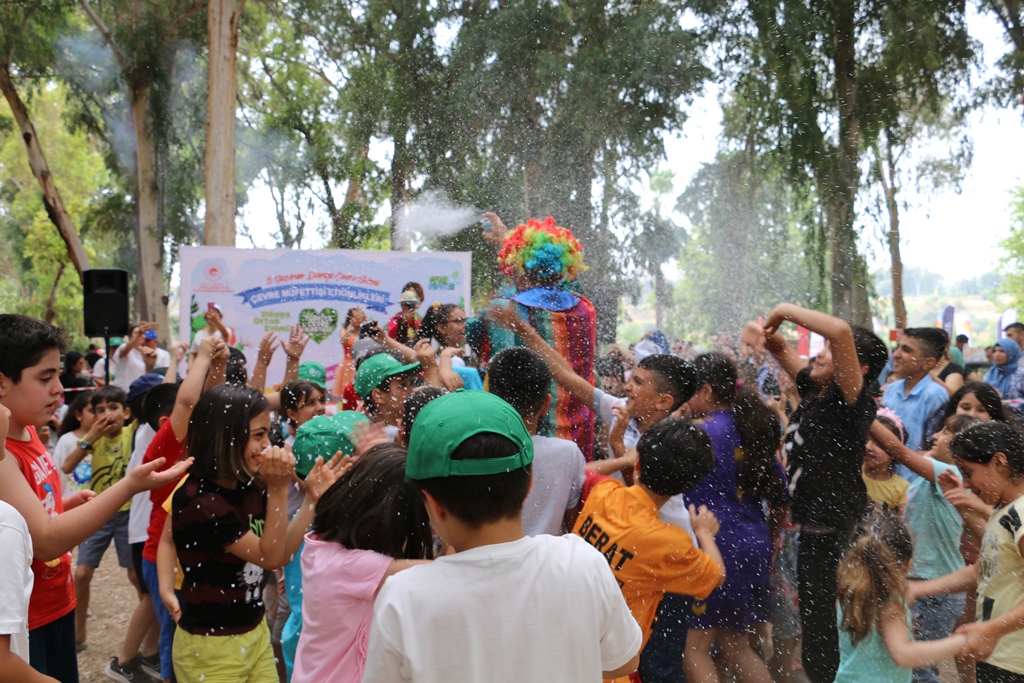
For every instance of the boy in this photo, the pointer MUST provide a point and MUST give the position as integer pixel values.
(497, 608)
(917, 397)
(521, 378)
(383, 384)
(30, 388)
(110, 443)
(825, 441)
(15, 589)
(648, 556)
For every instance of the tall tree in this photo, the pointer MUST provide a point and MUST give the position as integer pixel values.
(222, 45)
(813, 82)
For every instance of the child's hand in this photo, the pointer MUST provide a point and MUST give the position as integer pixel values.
(78, 498)
(179, 352)
(618, 431)
(366, 437)
(425, 354)
(496, 235)
(774, 320)
(268, 345)
(100, 425)
(146, 478)
(276, 467)
(948, 481)
(980, 643)
(703, 519)
(297, 341)
(753, 337)
(323, 475)
(505, 316)
(171, 603)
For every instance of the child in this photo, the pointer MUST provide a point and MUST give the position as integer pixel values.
(917, 397)
(745, 435)
(648, 556)
(824, 447)
(497, 607)
(522, 378)
(367, 527)
(980, 401)
(886, 489)
(110, 443)
(383, 383)
(227, 529)
(29, 369)
(874, 621)
(15, 588)
(991, 457)
(76, 424)
(935, 526)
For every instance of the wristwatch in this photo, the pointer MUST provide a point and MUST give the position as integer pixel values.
(85, 445)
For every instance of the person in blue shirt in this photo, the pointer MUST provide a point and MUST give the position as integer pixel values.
(916, 398)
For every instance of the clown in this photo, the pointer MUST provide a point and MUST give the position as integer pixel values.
(544, 262)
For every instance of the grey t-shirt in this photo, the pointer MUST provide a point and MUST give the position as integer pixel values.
(558, 474)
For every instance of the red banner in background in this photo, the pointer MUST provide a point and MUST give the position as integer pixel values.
(803, 344)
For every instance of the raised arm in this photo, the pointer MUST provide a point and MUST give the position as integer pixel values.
(192, 386)
(297, 341)
(890, 443)
(911, 654)
(755, 336)
(268, 345)
(563, 373)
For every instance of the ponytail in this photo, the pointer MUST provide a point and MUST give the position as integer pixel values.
(873, 573)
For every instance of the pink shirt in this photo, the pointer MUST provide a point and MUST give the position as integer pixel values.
(339, 587)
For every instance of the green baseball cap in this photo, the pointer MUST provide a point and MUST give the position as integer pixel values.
(322, 437)
(448, 420)
(314, 372)
(376, 369)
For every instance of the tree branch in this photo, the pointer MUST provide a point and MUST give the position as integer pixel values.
(104, 31)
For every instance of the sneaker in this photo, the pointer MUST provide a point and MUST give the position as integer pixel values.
(151, 665)
(128, 673)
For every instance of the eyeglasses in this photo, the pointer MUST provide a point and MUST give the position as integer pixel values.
(457, 321)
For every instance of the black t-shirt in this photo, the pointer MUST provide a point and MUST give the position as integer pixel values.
(223, 594)
(953, 369)
(825, 442)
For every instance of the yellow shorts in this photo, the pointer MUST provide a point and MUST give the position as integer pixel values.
(246, 657)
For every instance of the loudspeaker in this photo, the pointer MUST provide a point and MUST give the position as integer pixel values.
(105, 302)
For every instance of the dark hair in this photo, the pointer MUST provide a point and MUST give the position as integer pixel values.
(416, 287)
(348, 315)
(760, 432)
(369, 405)
(158, 402)
(24, 341)
(218, 431)
(674, 455)
(70, 358)
(979, 443)
(435, 316)
(293, 393)
(958, 423)
(673, 375)
(609, 366)
(521, 377)
(872, 573)
(486, 498)
(414, 404)
(1014, 326)
(806, 387)
(71, 422)
(109, 394)
(871, 351)
(234, 373)
(987, 395)
(962, 338)
(934, 340)
(890, 424)
(373, 507)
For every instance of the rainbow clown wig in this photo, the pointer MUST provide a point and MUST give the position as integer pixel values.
(542, 252)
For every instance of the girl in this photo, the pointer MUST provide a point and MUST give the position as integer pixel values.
(874, 621)
(991, 457)
(76, 424)
(404, 325)
(229, 524)
(445, 326)
(368, 526)
(979, 400)
(745, 434)
(1004, 374)
(886, 489)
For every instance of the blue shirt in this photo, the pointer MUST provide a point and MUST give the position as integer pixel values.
(868, 661)
(924, 400)
(935, 526)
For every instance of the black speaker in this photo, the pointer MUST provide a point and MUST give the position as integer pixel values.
(105, 302)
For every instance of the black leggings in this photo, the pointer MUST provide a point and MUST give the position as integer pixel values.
(819, 556)
(993, 674)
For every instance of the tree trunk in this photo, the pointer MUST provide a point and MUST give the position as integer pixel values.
(149, 280)
(223, 17)
(41, 170)
(849, 275)
(399, 180)
(889, 187)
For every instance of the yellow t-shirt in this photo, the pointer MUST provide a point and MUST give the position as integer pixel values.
(110, 457)
(891, 493)
(179, 573)
(647, 556)
(1000, 588)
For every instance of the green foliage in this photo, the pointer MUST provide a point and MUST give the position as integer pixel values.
(1013, 262)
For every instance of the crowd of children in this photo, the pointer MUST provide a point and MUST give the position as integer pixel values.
(429, 530)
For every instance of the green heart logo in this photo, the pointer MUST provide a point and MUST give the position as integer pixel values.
(319, 326)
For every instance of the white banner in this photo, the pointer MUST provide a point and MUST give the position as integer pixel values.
(270, 290)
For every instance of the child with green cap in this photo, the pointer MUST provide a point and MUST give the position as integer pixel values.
(497, 607)
(384, 383)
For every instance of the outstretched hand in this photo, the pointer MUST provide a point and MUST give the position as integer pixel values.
(366, 437)
(268, 345)
(980, 642)
(505, 316)
(297, 340)
(323, 475)
(146, 478)
(496, 235)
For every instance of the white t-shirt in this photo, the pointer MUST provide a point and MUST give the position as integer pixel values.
(99, 370)
(65, 444)
(132, 366)
(203, 334)
(142, 506)
(558, 474)
(15, 578)
(542, 608)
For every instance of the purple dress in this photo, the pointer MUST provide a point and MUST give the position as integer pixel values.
(743, 539)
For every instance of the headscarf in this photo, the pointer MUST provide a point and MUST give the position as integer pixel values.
(999, 375)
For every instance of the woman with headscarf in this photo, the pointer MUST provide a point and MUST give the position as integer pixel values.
(1004, 374)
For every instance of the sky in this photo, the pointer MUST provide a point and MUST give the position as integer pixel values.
(953, 233)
